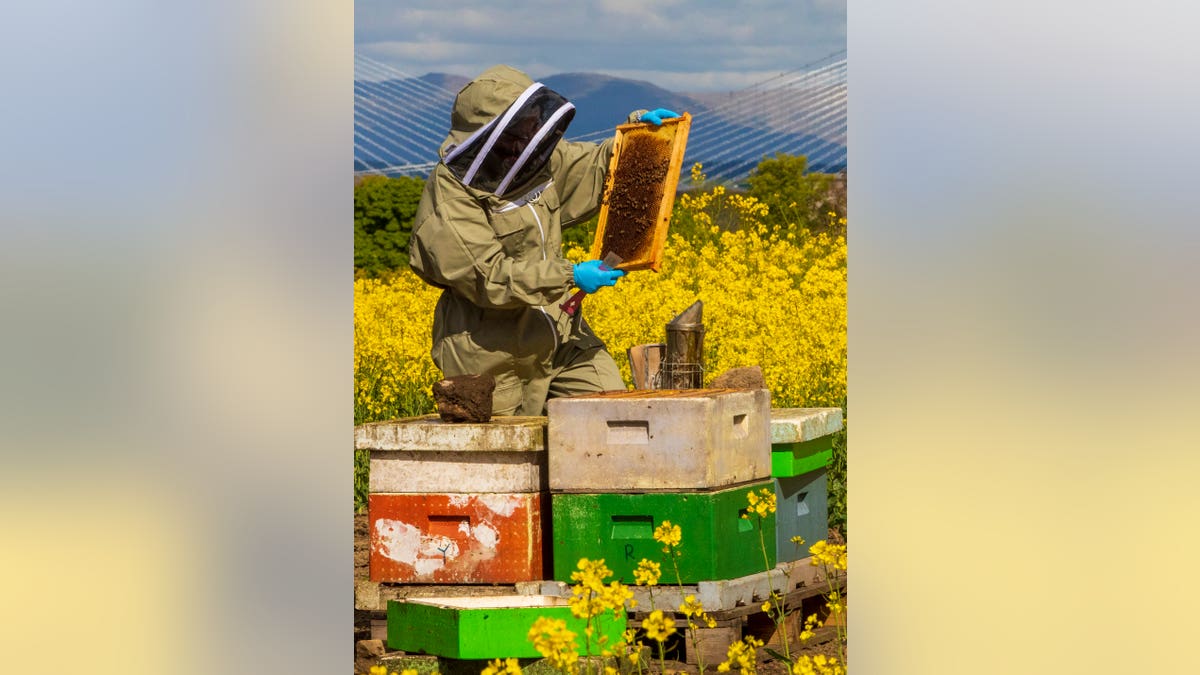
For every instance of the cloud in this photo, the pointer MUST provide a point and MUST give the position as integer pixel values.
(698, 81)
(432, 52)
(705, 45)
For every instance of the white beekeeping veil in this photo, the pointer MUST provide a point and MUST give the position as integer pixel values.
(507, 151)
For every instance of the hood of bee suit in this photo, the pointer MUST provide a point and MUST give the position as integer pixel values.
(503, 129)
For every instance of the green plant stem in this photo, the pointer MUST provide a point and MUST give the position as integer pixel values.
(587, 638)
(776, 599)
(691, 624)
(841, 629)
(650, 590)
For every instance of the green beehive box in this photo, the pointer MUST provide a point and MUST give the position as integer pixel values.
(716, 543)
(803, 511)
(802, 439)
(795, 459)
(483, 627)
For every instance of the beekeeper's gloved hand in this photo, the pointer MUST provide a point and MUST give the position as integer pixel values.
(657, 116)
(591, 275)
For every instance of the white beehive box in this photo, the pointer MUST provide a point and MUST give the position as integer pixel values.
(637, 441)
(427, 455)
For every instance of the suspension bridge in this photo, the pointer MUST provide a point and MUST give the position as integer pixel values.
(401, 120)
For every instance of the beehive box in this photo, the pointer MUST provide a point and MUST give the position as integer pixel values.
(802, 439)
(639, 192)
(483, 627)
(425, 455)
(802, 510)
(645, 440)
(456, 538)
(717, 543)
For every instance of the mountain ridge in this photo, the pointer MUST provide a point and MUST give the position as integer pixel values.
(403, 121)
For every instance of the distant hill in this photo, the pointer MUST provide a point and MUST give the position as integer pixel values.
(451, 83)
(399, 122)
(602, 102)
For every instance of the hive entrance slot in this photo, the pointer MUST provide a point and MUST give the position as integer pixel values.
(448, 526)
(628, 432)
(633, 527)
(741, 427)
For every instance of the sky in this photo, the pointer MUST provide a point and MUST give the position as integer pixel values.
(682, 46)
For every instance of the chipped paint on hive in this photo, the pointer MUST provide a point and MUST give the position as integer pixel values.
(464, 538)
(487, 535)
(397, 540)
(405, 544)
(499, 504)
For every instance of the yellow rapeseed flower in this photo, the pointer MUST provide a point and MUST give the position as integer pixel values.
(693, 609)
(829, 555)
(647, 573)
(658, 626)
(590, 596)
(667, 534)
(743, 655)
(494, 667)
(762, 504)
(809, 624)
(555, 643)
(817, 665)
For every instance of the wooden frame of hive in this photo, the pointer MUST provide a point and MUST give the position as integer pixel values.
(644, 156)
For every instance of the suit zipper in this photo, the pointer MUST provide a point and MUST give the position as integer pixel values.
(542, 232)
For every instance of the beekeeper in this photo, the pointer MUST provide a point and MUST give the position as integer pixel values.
(487, 232)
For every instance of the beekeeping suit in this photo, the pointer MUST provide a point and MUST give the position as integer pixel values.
(487, 232)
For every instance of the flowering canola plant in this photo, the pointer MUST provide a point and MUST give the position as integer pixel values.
(393, 370)
(555, 643)
(772, 297)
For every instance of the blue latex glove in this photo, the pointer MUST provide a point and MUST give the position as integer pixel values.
(591, 275)
(657, 116)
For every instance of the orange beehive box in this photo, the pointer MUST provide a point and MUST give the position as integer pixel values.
(456, 538)
(639, 192)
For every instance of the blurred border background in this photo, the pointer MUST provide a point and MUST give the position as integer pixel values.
(176, 407)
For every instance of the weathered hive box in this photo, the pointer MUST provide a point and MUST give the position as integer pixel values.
(456, 538)
(716, 543)
(802, 510)
(802, 439)
(424, 454)
(649, 440)
(484, 627)
(801, 448)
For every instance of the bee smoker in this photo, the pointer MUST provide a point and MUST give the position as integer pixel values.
(683, 362)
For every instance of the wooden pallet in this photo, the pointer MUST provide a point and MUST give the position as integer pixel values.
(735, 604)
(372, 596)
(736, 607)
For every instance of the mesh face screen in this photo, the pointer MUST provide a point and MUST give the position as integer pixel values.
(512, 148)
